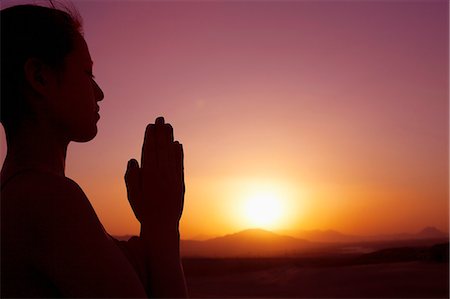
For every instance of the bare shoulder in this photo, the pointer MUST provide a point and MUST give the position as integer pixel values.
(65, 230)
(35, 183)
(49, 206)
(39, 191)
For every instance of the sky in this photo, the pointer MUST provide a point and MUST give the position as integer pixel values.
(338, 111)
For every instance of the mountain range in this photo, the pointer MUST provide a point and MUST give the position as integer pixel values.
(258, 242)
(335, 236)
(251, 242)
(263, 243)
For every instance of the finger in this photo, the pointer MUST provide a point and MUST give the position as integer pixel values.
(149, 156)
(168, 130)
(131, 172)
(180, 167)
(133, 184)
(174, 149)
(179, 163)
(162, 132)
(159, 120)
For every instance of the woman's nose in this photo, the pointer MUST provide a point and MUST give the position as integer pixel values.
(99, 95)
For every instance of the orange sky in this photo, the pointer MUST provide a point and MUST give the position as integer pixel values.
(338, 108)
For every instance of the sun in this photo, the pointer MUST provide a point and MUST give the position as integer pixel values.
(263, 210)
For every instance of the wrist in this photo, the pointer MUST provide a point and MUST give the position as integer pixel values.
(159, 240)
(157, 231)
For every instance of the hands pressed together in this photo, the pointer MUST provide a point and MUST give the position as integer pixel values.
(156, 195)
(156, 189)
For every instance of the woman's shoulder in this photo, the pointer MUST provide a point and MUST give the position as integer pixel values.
(37, 194)
(38, 180)
(50, 209)
(63, 228)
(39, 185)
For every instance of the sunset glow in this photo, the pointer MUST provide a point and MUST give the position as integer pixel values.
(293, 114)
(263, 210)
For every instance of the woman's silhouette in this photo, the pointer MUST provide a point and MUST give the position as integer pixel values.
(52, 243)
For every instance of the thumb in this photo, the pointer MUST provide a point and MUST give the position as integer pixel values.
(133, 183)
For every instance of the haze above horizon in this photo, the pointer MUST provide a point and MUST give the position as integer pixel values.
(332, 114)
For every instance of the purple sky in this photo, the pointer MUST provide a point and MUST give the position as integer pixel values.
(343, 103)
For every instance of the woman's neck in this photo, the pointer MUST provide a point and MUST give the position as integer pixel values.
(35, 147)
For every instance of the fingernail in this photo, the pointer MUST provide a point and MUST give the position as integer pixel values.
(159, 120)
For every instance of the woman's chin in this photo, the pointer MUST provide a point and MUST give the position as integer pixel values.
(86, 135)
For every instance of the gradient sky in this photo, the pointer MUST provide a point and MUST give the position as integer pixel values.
(340, 108)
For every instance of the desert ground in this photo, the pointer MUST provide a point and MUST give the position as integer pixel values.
(319, 277)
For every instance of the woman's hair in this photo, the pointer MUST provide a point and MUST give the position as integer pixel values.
(30, 31)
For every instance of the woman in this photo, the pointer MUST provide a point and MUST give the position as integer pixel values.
(52, 242)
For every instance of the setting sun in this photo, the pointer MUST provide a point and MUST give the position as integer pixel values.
(263, 210)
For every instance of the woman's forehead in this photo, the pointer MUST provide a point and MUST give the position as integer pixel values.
(81, 50)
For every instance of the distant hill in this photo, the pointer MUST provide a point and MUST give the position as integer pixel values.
(430, 232)
(333, 236)
(324, 236)
(426, 233)
(252, 242)
(263, 243)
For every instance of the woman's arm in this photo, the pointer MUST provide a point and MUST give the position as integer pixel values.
(156, 194)
(166, 263)
(134, 251)
(166, 277)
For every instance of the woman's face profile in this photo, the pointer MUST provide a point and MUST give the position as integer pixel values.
(76, 95)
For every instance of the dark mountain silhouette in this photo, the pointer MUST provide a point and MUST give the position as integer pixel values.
(263, 243)
(251, 242)
(431, 232)
(426, 233)
(324, 236)
(336, 237)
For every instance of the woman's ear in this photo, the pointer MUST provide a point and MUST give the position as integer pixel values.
(39, 76)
